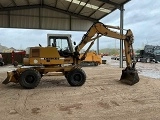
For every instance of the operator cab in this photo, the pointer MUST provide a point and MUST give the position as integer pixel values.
(62, 42)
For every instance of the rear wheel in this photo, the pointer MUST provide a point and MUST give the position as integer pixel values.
(76, 77)
(29, 79)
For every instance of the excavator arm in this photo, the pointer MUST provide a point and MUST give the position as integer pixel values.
(129, 75)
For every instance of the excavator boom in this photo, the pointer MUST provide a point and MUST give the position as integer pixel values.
(129, 74)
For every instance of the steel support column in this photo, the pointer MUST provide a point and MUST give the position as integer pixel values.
(70, 23)
(97, 45)
(40, 22)
(121, 32)
(9, 19)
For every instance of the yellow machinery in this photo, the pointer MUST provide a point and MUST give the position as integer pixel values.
(59, 57)
(91, 59)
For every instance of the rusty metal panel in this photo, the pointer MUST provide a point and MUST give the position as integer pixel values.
(46, 13)
(26, 12)
(54, 20)
(55, 23)
(24, 22)
(4, 19)
(119, 1)
(6, 3)
(55, 14)
(80, 25)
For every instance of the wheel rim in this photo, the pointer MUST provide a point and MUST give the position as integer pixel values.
(30, 79)
(77, 77)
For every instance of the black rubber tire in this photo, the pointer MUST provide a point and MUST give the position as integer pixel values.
(66, 74)
(29, 79)
(1, 63)
(76, 77)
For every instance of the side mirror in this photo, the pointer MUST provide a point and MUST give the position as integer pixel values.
(74, 43)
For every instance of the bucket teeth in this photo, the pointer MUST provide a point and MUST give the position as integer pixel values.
(129, 76)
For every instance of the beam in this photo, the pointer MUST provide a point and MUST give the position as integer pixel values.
(78, 5)
(70, 13)
(83, 7)
(96, 10)
(40, 18)
(9, 24)
(125, 2)
(56, 3)
(98, 46)
(108, 13)
(114, 5)
(28, 2)
(121, 32)
(19, 7)
(48, 7)
(14, 2)
(69, 5)
(1, 6)
(42, 2)
(111, 3)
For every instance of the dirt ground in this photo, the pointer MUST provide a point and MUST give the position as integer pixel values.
(102, 97)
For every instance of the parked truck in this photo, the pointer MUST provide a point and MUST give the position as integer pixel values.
(150, 53)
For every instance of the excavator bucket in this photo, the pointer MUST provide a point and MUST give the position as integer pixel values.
(11, 77)
(129, 76)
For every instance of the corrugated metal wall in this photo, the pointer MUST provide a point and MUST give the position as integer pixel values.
(42, 18)
(9, 59)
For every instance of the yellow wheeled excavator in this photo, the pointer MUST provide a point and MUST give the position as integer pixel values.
(59, 58)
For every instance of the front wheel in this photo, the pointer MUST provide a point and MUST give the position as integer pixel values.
(29, 79)
(76, 77)
(1, 64)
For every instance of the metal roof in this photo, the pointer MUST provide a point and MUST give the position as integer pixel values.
(49, 14)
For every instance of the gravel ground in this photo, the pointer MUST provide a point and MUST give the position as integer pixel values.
(151, 70)
(102, 97)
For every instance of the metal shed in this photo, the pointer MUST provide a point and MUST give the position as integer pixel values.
(55, 14)
(72, 15)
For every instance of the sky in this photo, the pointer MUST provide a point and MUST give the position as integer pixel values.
(141, 16)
